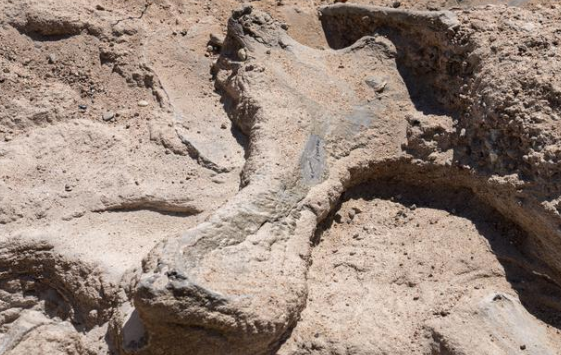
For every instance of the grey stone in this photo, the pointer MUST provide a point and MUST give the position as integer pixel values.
(108, 116)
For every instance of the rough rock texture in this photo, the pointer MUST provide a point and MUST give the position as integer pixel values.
(346, 180)
(225, 276)
(409, 268)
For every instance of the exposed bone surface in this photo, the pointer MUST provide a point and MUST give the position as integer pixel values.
(273, 178)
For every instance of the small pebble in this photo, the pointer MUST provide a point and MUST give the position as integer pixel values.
(108, 116)
(396, 4)
(216, 40)
(83, 107)
(143, 103)
(52, 58)
(242, 54)
(377, 85)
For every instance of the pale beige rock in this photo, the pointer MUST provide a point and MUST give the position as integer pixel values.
(366, 181)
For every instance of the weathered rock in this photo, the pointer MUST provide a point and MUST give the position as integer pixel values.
(464, 101)
(190, 282)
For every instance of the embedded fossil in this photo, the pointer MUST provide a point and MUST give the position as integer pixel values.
(360, 160)
(237, 283)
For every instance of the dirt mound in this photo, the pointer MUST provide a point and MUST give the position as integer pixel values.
(401, 268)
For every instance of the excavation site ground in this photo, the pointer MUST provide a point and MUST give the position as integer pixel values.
(280, 177)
